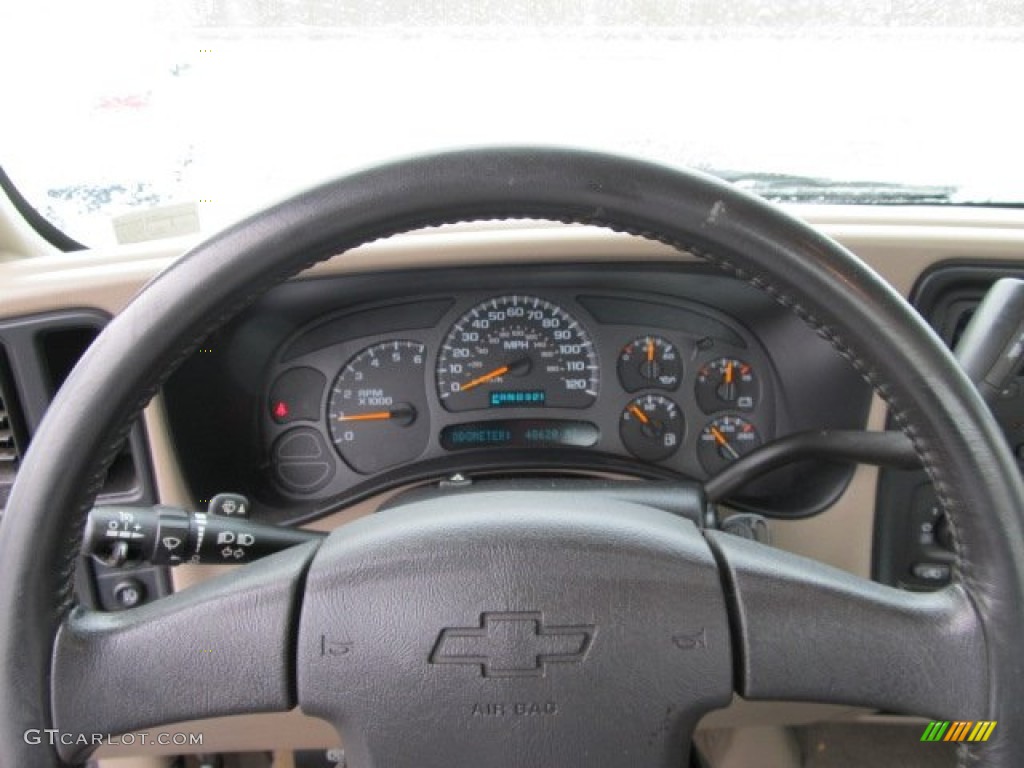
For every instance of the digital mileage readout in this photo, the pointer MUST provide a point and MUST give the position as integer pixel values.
(516, 398)
(519, 433)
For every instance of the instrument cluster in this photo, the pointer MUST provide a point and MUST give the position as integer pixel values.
(504, 380)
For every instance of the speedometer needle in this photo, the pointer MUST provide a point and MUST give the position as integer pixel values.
(485, 378)
(518, 367)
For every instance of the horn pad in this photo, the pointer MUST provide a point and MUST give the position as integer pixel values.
(514, 628)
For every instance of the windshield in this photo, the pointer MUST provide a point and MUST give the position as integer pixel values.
(134, 119)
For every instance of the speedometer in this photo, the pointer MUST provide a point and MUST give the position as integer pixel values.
(517, 351)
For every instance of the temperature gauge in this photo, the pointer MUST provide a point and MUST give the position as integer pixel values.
(649, 362)
(727, 384)
(651, 427)
(724, 440)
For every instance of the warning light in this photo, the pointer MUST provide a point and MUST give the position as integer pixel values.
(280, 410)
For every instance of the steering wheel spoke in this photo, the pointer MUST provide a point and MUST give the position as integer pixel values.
(222, 647)
(804, 631)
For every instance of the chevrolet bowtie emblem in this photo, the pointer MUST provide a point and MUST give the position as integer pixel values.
(513, 645)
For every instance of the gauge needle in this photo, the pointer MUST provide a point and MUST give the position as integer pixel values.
(374, 416)
(650, 350)
(724, 442)
(406, 412)
(516, 368)
(485, 378)
(635, 410)
(728, 373)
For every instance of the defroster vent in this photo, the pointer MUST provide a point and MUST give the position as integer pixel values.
(11, 435)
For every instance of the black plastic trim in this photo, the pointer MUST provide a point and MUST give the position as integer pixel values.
(217, 399)
(32, 383)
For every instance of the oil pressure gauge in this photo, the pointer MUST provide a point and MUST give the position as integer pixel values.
(649, 362)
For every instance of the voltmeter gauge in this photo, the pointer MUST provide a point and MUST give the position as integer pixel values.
(651, 427)
(725, 440)
(649, 362)
(727, 384)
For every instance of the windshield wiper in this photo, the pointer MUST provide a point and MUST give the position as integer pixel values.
(787, 188)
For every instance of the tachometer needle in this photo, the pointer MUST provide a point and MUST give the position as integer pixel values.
(405, 413)
(643, 417)
(724, 443)
(374, 416)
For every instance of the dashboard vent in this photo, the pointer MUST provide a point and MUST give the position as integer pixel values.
(956, 315)
(955, 322)
(10, 433)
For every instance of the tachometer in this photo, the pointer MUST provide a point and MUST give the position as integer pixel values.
(517, 351)
(377, 413)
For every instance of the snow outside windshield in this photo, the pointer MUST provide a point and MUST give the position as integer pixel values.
(217, 107)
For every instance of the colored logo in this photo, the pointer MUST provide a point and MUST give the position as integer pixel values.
(513, 645)
(958, 730)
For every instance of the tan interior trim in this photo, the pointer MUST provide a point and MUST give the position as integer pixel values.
(17, 239)
(899, 243)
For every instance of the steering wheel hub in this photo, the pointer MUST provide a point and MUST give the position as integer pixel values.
(515, 628)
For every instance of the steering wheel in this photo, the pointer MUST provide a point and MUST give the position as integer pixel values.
(520, 629)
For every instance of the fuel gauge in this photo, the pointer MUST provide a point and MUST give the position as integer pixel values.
(651, 427)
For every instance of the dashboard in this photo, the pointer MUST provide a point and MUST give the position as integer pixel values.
(339, 390)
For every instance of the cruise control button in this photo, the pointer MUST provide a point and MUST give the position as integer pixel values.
(936, 572)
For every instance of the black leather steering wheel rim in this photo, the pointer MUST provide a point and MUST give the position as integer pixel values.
(960, 445)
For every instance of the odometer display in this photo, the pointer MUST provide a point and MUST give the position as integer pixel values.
(517, 351)
(519, 433)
